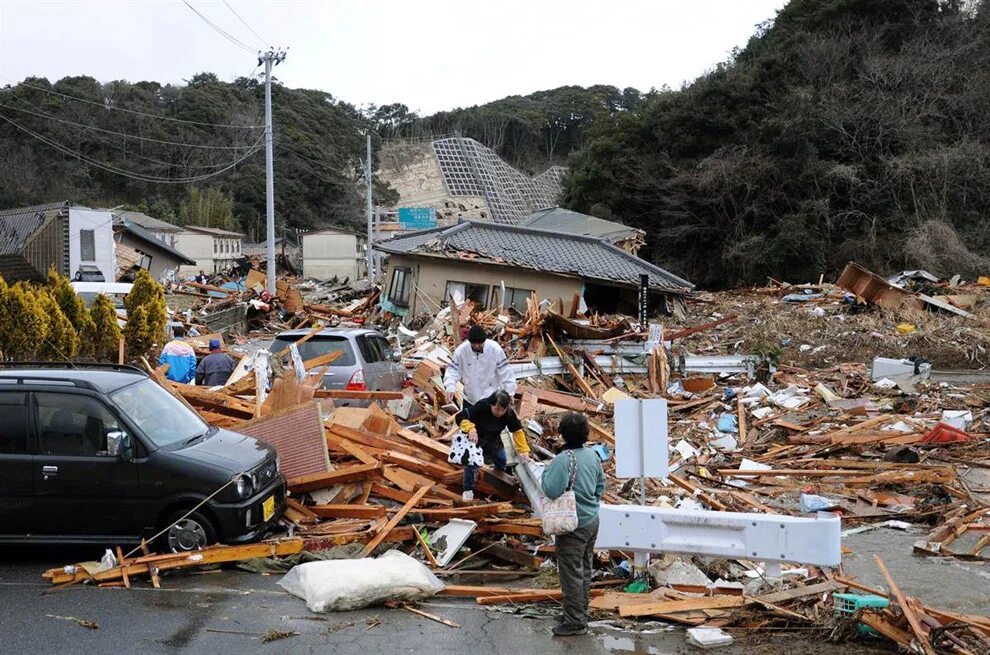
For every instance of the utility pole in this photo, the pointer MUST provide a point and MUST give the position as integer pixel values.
(367, 178)
(271, 58)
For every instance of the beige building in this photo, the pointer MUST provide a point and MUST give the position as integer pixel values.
(333, 252)
(497, 265)
(214, 250)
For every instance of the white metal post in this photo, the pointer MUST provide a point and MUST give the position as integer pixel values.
(268, 57)
(367, 178)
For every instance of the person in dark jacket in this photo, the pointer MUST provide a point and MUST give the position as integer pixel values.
(575, 550)
(482, 423)
(216, 368)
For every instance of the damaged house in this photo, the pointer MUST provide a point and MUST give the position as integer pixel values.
(497, 265)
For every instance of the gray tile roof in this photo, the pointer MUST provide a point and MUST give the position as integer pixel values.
(147, 222)
(542, 250)
(215, 231)
(557, 219)
(17, 224)
(153, 241)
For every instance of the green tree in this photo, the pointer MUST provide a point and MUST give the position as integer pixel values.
(68, 300)
(208, 207)
(27, 325)
(62, 342)
(147, 315)
(102, 332)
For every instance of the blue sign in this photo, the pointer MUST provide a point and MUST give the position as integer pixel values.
(417, 218)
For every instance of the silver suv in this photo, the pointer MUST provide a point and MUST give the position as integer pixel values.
(367, 362)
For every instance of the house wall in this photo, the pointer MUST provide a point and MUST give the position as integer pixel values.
(431, 277)
(161, 261)
(226, 251)
(198, 247)
(333, 254)
(101, 222)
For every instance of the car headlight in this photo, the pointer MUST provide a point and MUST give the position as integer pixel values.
(244, 486)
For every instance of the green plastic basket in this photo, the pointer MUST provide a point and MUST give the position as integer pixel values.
(852, 603)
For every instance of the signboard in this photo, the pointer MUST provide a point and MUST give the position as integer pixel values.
(644, 299)
(641, 438)
(417, 218)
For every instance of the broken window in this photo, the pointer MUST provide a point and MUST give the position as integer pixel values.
(461, 291)
(514, 297)
(87, 245)
(398, 290)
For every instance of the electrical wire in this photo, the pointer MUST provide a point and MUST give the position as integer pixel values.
(134, 111)
(130, 174)
(123, 134)
(220, 31)
(244, 22)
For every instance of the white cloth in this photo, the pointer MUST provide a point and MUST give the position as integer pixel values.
(481, 373)
(465, 453)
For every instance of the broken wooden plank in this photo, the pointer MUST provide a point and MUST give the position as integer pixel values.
(908, 610)
(348, 511)
(401, 514)
(685, 605)
(341, 394)
(315, 481)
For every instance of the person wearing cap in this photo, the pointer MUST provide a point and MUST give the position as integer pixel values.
(215, 369)
(180, 357)
(481, 366)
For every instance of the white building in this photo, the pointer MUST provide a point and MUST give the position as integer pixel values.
(213, 249)
(333, 252)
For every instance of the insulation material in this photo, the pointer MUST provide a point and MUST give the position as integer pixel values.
(297, 435)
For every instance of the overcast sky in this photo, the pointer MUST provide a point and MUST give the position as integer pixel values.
(429, 54)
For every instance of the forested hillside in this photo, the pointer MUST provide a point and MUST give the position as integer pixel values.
(846, 129)
(177, 147)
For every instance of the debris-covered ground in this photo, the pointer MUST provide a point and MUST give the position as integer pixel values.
(776, 406)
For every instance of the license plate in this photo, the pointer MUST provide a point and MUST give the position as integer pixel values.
(268, 508)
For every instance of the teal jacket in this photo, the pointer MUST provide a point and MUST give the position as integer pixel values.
(589, 484)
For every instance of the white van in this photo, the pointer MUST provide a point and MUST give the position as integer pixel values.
(89, 290)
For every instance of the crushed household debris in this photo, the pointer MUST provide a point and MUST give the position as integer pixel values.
(772, 409)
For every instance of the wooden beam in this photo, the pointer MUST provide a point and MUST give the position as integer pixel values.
(685, 605)
(908, 610)
(581, 382)
(348, 511)
(426, 548)
(315, 481)
(401, 514)
(700, 328)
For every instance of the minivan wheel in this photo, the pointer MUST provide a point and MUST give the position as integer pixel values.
(193, 532)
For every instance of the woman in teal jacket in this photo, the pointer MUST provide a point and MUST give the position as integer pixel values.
(575, 550)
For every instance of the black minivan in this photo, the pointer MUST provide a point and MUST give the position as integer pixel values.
(104, 454)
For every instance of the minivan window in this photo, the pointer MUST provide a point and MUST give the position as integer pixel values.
(371, 350)
(316, 346)
(14, 426)
(158, 414)
(70, 424)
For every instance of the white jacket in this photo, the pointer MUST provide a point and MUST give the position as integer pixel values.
(481, 373)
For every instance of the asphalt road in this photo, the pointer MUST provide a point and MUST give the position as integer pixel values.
(228, 612)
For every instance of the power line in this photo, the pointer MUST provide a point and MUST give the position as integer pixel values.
(134, 111)
(244, 22)
(220, 30)
(123, 134)
(124, 173)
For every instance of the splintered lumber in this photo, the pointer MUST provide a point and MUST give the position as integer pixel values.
(684, 605)
(528, 596)
(473, 512)
(741, 410)
(906, 607)
(526, 527)
(156, 563)
(214, 399)
(401, 514)
(700, 328)
(563, 400)
(599, 430)
(432, 617)
(358, 395)
(417, 465)
(315, 481)
(513, 556)
(322, 360)
(426, 548)
(581, 382)
(347, 511)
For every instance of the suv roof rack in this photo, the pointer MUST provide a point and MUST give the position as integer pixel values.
(122, 368)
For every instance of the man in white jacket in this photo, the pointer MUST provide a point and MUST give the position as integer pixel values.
(482, 366)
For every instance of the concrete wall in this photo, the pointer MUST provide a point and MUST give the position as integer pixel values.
(431, 277)
(330, 254)
(101, 223)
(195, 246)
